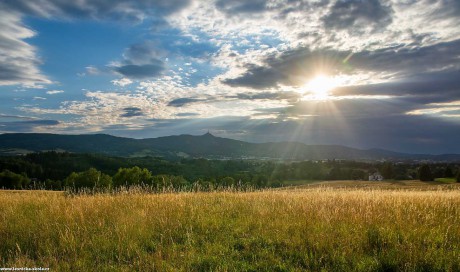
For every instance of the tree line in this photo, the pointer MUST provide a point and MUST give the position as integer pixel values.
(57, 171)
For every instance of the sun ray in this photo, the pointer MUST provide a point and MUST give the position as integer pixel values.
(319, 87)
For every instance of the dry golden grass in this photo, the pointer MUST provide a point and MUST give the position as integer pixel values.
(384, 185)
(329, 229)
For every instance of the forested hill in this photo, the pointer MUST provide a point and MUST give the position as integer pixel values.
(188, 146)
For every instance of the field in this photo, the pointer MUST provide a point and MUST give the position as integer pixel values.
(335, 226)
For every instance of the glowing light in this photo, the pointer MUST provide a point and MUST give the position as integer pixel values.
(319, 87)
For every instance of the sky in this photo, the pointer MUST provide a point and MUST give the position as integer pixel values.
(360, 73)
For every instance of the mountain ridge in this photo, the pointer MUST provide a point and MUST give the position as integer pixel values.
(200, 146)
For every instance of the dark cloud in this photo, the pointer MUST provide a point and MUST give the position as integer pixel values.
(399, 132)
(281, 95)
(131, 112)
(295, 67)
(145, 52)
(241, 6)
(357, 14)
(361, 123)
(18, 117)
(292, 67)
(440, 9)
(422, 88)
(179, 102)
(268, 96)
(96, 9)
(16, 72)
(19, 62)
(257, 77)
(414, 134)
(278, 9)
(350, 108)
(25, 126)
(140, 61)
(408, 59)
(187, 114)
(140, 71)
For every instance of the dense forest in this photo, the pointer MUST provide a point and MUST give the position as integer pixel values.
(57, 171)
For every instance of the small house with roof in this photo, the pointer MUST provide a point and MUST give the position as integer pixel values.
(376, 176)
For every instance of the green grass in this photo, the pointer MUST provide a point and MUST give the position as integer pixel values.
(281, 230)
(446, 180)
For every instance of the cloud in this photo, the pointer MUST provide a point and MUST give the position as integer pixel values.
(355, 15)
(147, 103)
(291, 68)
(16, 117)
(241, 6)
(449, 110)
(98, 9)
(420, 88)
(26, 126)
(187, 114)
(19, 60)
(54, 92)
(132, 112)
(91, 70)
(439, 10)
(416, 134)
(140, 61)
(294, 67)
(409, 59)
(122, 82)
(179, 102)
(144, 52)
(281, 95)
(140, 71)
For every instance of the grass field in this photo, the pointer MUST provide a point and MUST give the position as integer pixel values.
(446, 180)
(335, 226)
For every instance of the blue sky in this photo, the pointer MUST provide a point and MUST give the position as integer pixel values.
(366, 74)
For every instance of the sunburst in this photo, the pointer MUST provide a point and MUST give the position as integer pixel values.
(319, 87)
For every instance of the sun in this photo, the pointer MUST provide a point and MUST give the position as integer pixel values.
(319, 87)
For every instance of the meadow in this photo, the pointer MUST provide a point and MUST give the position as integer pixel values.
(311, 228)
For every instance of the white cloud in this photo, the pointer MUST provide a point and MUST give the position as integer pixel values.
(122, 82)
(449, 110)
(150, 102)
(39, 98)
(91, 70)
(54, 92)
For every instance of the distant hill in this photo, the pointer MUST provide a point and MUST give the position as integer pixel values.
(205, 146)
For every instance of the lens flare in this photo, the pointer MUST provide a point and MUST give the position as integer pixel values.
(319, 87)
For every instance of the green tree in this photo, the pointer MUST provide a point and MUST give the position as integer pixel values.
(387, 170)
(90, 178)
(178, 181)
(259, 181)
(458, 176)
(227, 181)
(164, 181)
(336, 173)
(11, 180)
(132, 176)
(358, 174)
(425, 173)
(448, 172)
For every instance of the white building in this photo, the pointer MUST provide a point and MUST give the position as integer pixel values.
(375, 177)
